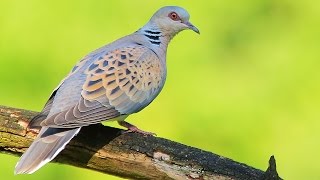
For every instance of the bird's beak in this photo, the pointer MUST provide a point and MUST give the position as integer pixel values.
(192, 27)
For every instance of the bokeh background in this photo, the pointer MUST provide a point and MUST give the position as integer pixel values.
(246, 88)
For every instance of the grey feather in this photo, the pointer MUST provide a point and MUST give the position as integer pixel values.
(49, 143)
(35, 121)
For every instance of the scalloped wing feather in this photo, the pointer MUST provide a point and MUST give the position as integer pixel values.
(118, 83)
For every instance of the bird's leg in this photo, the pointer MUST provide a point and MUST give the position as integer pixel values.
(133, 128)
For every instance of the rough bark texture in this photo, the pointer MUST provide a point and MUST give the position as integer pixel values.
(129, 155)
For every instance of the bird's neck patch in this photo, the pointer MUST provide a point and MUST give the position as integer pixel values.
(153, 36)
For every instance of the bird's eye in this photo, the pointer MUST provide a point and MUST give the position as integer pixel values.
(174, 16)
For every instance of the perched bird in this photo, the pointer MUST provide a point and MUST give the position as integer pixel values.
(109, 84)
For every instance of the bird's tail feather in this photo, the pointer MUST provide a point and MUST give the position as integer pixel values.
(47, 146)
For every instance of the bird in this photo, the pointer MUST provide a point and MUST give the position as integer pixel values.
(108, 84)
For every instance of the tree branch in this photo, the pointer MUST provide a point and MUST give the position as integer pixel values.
(130, 155)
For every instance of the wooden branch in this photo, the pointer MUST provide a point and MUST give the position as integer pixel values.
(129, 155)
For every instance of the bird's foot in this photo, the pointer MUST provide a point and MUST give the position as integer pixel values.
(134, 129)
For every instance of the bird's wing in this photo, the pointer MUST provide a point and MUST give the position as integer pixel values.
(36, 120)
(119, 82)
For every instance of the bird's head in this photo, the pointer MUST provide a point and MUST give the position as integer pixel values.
(171, 20)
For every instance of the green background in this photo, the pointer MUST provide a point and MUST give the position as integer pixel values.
(246, 88)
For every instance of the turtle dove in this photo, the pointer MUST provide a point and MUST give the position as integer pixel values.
(110, 83)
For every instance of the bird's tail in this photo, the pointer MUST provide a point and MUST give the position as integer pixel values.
(45, 147)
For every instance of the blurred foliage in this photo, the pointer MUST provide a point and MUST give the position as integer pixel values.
(246, 88)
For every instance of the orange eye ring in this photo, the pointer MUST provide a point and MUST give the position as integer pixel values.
(174, 16)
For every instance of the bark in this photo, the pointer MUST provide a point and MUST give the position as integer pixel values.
(129, 155)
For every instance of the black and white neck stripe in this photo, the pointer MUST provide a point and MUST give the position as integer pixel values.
(153, 36)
